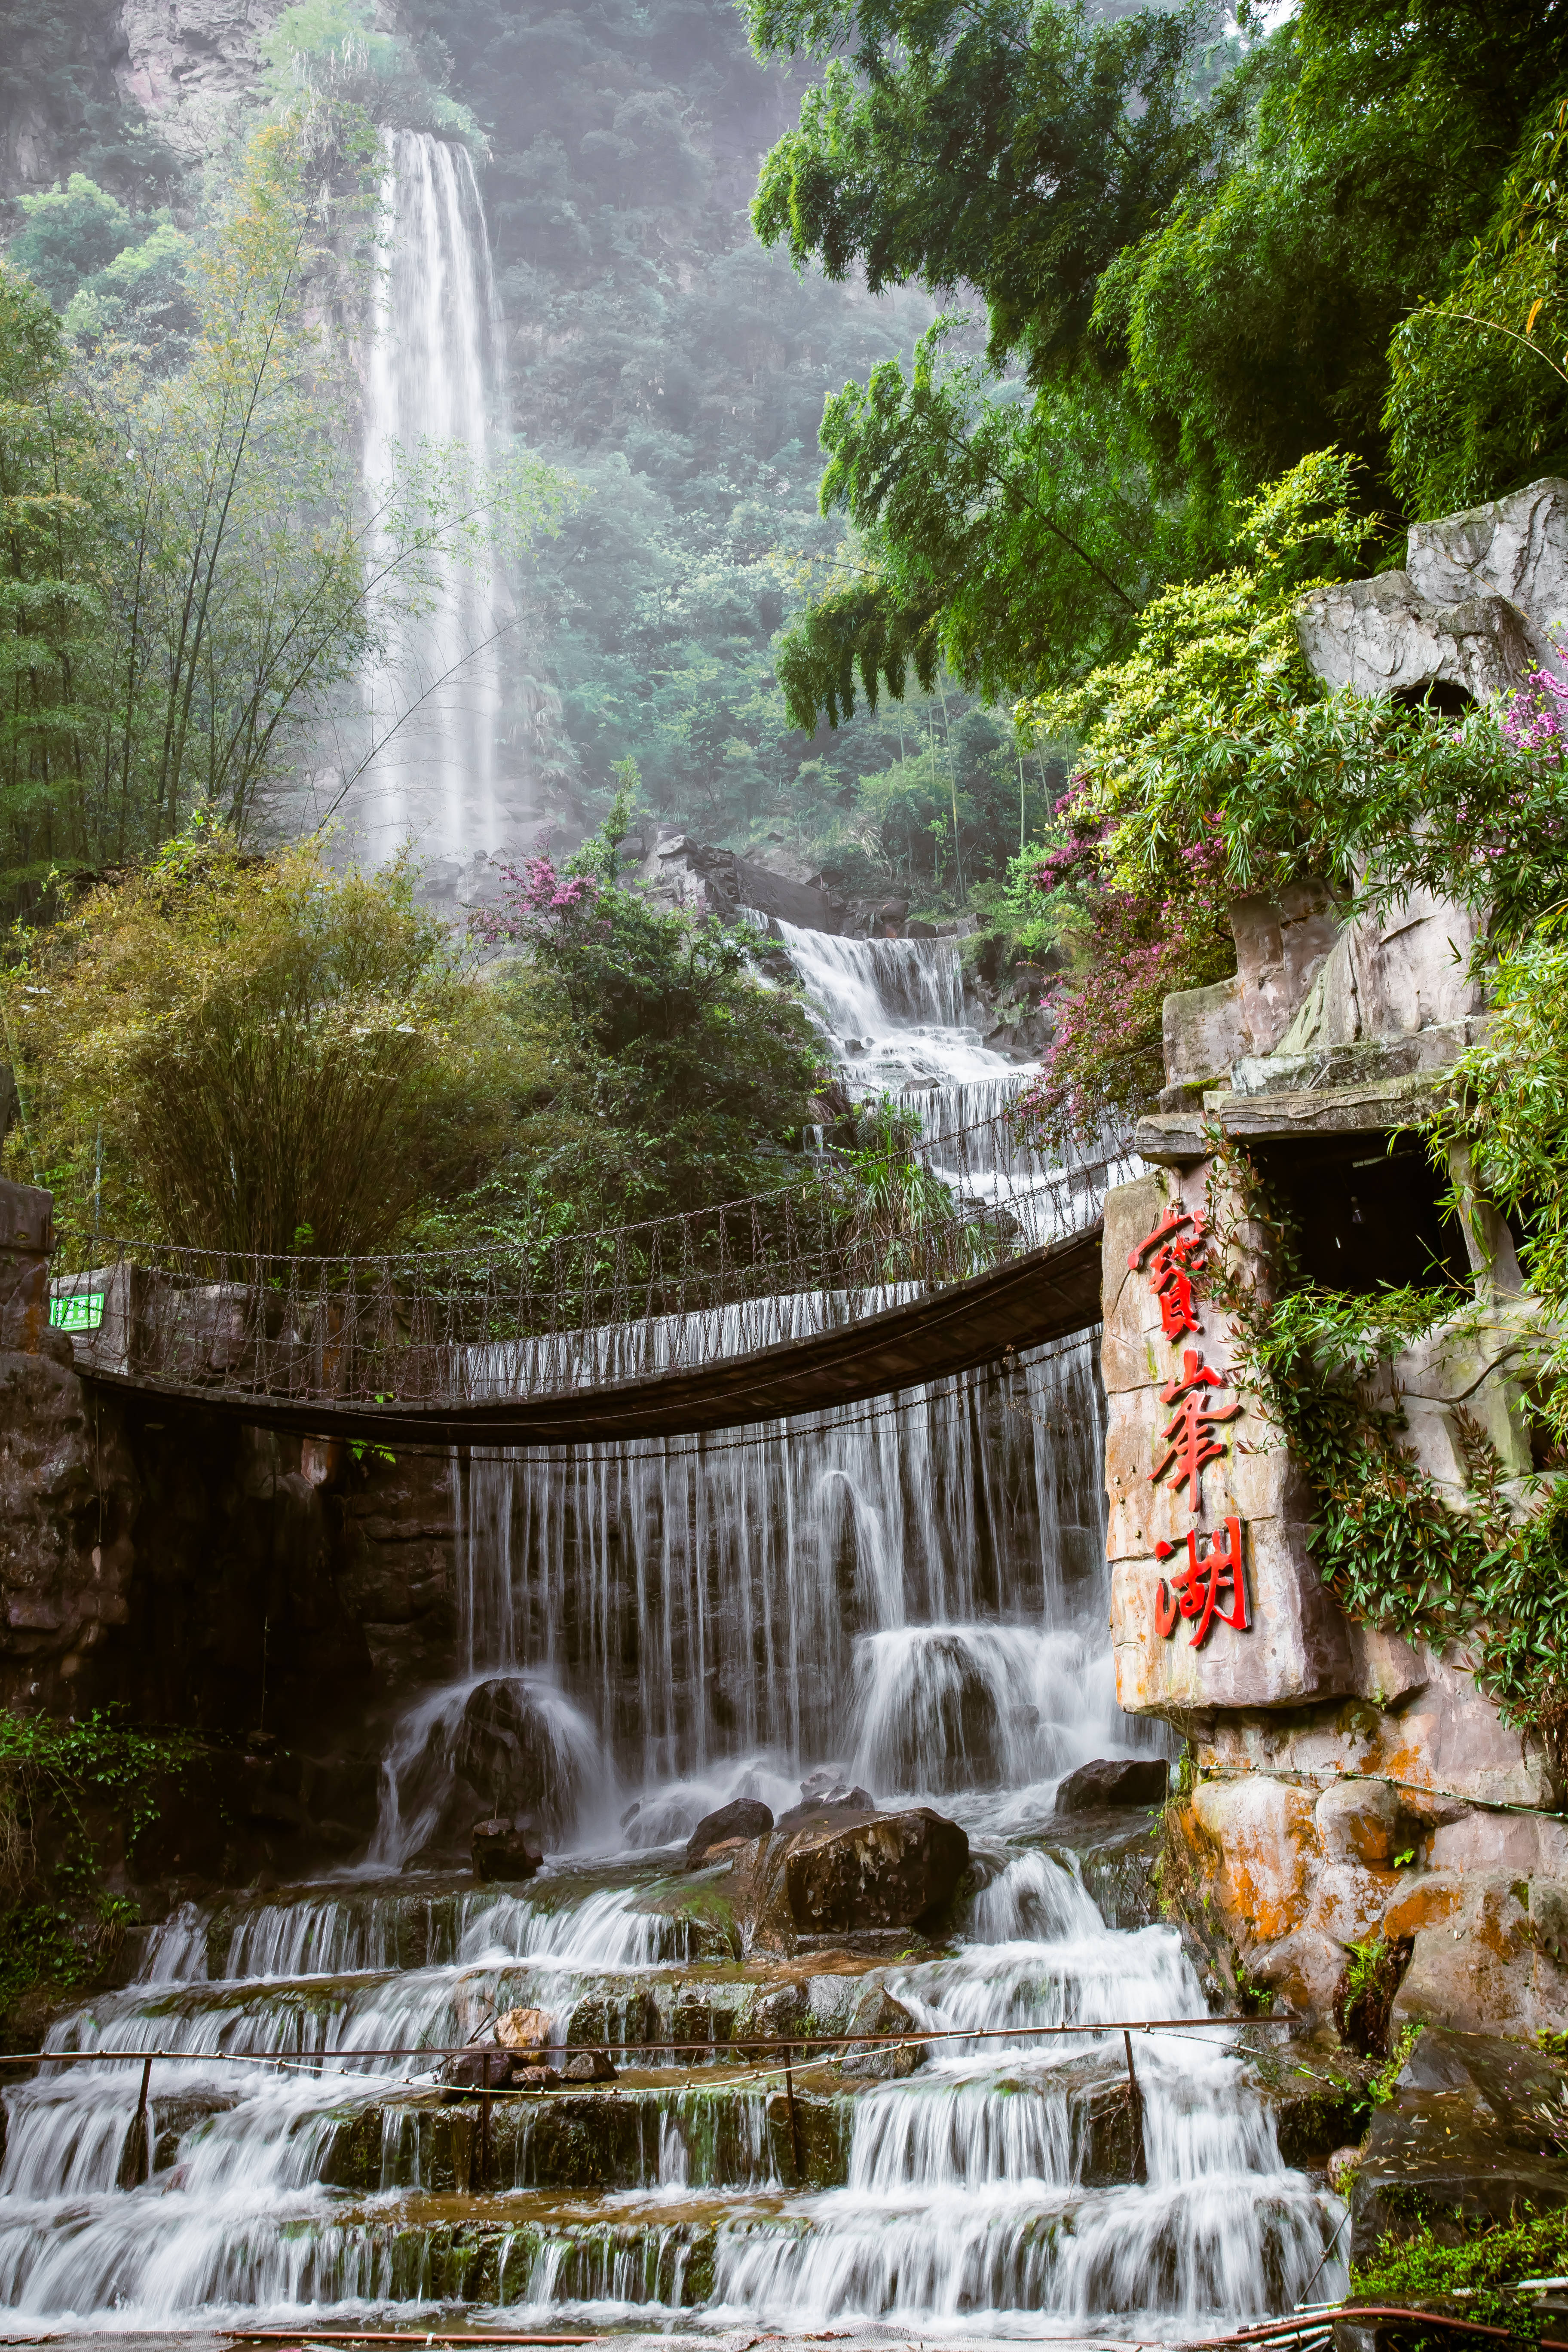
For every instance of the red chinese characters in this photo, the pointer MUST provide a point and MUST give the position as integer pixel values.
(1214, 1582)
(1189, 1437)
(1176, 1251)
(1208, 1577)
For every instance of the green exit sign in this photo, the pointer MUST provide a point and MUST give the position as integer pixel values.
(82, 1311)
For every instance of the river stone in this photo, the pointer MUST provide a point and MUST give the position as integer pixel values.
(891, 1869)
(1461, 2143)
(589, 2066)
(524, 2028)
(477, 2070)
(878, 2013)
(746, 1818)
(1132, 1780)
(502, 1850)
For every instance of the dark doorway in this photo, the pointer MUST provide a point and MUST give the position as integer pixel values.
(1364, 1215)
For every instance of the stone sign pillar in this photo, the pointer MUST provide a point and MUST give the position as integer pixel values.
(1215, 1602)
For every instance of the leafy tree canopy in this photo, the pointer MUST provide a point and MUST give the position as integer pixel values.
(1223, 258)
(1014, 148)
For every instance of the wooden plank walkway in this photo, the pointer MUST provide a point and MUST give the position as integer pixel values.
(1046, 1293)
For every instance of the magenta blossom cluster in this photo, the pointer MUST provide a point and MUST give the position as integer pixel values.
(539, 896)
(1537, 718)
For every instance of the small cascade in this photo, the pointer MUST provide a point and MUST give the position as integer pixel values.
(434, 397)
(895, 1013)
(331, 2183)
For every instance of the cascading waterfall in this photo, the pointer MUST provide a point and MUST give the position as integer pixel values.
(434, 401)
(914, 1593)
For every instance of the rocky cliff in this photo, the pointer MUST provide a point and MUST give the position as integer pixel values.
(1345, 1787)
(270, 1595)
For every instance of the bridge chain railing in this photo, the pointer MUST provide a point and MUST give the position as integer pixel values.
(571, 1312)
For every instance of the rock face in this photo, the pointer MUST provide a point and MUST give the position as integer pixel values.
(502, 1850)
(1462, 2143)
(1471, 613)
(1350, 1785)
(1281, 946)
(192, 66)
(746, 1818)
(189, 1569)
(1296, 1646)
(1133, 1780)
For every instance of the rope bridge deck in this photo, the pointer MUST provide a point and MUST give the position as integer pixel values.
(820, 1293)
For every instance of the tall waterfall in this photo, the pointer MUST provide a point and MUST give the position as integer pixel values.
(434, 399)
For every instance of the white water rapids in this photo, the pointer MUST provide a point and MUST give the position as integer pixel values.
(913, 1597)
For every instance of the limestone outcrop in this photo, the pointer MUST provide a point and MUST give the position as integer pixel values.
(1475, 609)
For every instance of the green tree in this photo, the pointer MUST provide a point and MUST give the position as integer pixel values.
(69, 235)
(1479, 397)
(1012, 148)
(60, 502)
(1009, 539)
(1202, 280)
(704, 1075)
(234, 1051)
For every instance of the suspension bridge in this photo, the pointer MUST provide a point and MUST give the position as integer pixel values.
(817, 1294)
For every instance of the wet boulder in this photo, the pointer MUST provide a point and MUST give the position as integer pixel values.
(502, 1850)
(589, 2066)
(1465, 2141)
(1127, 1780)
(486, 2069)
(509, 1753)
(876, 2015)
(781, 2015)
(524, 2028)
(746, 1818)
(820, 1797)
(885, 1870)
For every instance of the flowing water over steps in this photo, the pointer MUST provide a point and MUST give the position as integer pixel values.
(988, 2188)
